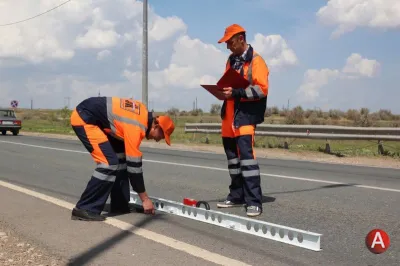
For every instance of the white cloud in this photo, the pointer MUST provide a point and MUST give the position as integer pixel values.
(351, 14)
(5, 99)
(275, 50)
(205, 65)
(164, 28)
(101, 34)
(67, 44)
(189, 71)
(41, 38)
(314, 79)
(358, 66)
(103, 55)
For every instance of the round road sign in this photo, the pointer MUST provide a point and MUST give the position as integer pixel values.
(14, 103)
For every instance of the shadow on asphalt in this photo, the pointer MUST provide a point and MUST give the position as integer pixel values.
(265, 199)
(312, 189)
(85, 257)
(269, 199)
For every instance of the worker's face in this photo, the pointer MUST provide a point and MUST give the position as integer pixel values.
(236, 44)
(156, 133)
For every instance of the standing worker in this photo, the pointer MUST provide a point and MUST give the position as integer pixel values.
(112, 129)
(241, 111)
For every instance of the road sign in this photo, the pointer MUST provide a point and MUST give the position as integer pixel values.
(276, 232)
(14, 103)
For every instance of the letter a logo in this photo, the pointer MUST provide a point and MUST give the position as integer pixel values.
(377, 241)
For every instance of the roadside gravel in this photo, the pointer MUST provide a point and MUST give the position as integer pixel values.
(15, 249)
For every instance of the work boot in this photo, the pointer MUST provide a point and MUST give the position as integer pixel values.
(84, 215)
(253, 211)
(229, 204)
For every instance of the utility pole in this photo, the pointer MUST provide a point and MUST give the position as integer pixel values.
(68, 98)
(31, 104)
(144, 57)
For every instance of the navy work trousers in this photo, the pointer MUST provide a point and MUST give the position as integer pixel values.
(243, 167)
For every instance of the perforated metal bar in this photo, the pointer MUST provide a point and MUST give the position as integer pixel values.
(280, 233)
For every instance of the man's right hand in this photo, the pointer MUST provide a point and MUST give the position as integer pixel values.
(227, 92)
(148, 206)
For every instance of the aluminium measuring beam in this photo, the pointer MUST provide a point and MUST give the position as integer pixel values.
(280, 233)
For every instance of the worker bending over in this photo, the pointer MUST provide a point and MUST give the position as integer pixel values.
(242, 110)
(112, 129)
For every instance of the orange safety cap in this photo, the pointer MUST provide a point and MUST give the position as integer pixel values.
(168, 127)
(230, 31)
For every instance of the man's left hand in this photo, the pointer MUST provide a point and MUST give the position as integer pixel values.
(227, 92)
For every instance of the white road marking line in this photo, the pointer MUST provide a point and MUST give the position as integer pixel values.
(162, 239)
(221, 169)
(146, 144)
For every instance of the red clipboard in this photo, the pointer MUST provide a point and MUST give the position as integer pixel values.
(231, 78)
(214, 90)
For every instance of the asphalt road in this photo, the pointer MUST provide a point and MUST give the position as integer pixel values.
(341, 202)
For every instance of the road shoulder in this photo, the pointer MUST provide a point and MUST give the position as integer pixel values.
(18, 249)
(49, 227)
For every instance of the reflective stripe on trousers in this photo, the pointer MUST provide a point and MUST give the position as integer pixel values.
(244, 170)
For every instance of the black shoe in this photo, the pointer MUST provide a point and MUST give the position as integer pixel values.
(84, 215)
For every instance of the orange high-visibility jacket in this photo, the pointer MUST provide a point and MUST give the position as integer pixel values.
(256, 72)
(249, 104)
(129, 122)
(123, 118)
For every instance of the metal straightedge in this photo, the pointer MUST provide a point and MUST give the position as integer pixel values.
(280, 233)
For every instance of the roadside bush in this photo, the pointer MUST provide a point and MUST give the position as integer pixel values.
(308, 113)
(295, 116)
(275, 110)
(268, 112)
(335, 114)
(363, 119)
(283, 113)
(385, 115)
(314, 119)
(352, 114)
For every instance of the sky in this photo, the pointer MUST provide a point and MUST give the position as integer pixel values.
(327, 54)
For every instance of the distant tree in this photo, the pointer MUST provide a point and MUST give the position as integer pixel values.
(173, 111)
(215, 109)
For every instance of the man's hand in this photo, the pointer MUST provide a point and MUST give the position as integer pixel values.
(148, 206)
(227, 92)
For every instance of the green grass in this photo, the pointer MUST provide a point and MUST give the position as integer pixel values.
(56, 122)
